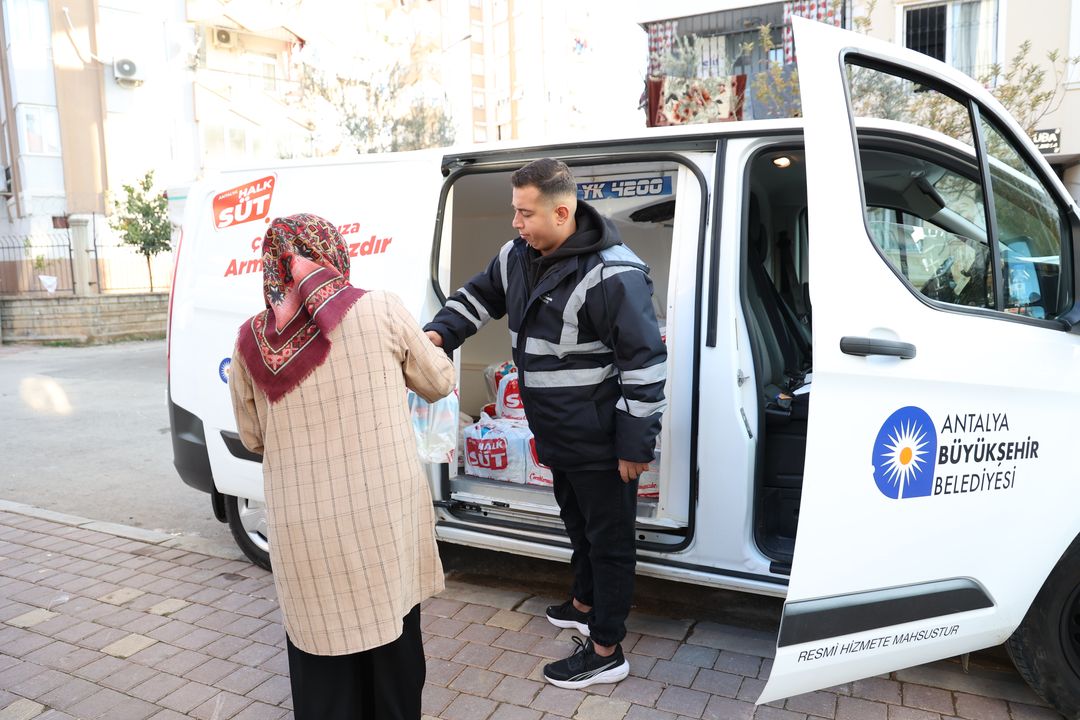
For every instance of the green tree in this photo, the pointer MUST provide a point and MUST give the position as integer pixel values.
(142, 220)
(370, 110)
(775, 86)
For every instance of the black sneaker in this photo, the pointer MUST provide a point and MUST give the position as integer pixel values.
(585, 667)
(568, 616)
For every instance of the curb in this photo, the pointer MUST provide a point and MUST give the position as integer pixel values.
(152, 537)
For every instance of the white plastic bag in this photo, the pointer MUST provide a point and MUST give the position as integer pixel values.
(435, 426)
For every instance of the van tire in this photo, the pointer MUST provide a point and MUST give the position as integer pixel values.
(1046, 646)
(252, 540)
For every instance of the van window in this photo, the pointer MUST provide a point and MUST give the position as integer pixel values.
(926, 199)
(925, 208)
(1030, 228)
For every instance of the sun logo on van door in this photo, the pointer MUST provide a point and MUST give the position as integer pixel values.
(904, 454)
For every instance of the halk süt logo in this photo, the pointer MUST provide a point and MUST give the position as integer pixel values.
(905, 454)
(245, 203)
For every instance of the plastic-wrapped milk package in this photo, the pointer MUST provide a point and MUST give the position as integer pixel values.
(497, 450)
(508, 403)
(649, 481)
(494, 373)
(538, 474)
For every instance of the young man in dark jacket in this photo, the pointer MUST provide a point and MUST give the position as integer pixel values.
(591, 370)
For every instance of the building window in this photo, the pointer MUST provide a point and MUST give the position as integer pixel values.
(32, 19)
(502, 39)
(39, 127)
(229, 143)
(924, 30)
(479, 133)
(962, 33)
(477, 64)
(478, 100)
(262, 72)
(237, 141)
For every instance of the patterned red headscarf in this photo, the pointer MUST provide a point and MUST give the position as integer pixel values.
(307, 292)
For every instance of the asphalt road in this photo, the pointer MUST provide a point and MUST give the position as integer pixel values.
(86, 432)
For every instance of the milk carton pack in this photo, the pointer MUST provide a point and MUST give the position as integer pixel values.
(497, 449)
(649, 481)
(537, 473)
(508, 403)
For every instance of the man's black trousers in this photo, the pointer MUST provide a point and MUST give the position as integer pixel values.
(599, 511)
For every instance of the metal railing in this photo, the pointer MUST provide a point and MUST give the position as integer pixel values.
(117, 267)
(37, 264)
(44, 264)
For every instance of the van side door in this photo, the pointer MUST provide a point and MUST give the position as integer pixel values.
(940, 484)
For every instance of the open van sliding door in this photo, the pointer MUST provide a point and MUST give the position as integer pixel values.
(940, 480)
(657, 195)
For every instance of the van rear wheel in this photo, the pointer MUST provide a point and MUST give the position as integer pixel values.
(247, 521)
(1046, 646)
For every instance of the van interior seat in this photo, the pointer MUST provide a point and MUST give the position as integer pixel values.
(782, 357)
(784, 346)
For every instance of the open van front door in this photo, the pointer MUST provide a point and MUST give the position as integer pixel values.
(940, 481)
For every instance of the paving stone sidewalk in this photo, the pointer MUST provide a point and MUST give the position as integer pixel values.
(102, 621)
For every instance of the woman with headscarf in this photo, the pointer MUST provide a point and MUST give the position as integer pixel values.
(318, 385)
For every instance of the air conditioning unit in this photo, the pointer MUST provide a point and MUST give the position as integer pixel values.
(223, 38)
(127, 72)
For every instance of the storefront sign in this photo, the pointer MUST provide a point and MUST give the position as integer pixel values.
(1048, 141)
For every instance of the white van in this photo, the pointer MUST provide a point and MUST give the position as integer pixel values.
(901, 473)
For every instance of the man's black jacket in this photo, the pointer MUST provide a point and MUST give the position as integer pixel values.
(591, 363)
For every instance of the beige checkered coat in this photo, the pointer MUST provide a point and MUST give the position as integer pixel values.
(349, 510)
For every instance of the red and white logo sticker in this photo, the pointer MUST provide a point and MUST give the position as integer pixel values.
(511, 395)
(509, 402)
(245, 203)
(488, 453)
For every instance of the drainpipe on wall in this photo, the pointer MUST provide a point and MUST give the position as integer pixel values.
(11, 155)
(80, 253)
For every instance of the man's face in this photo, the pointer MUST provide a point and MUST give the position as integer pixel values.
(536, 219)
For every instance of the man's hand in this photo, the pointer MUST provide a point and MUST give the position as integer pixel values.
(435, 338)
(631, 470)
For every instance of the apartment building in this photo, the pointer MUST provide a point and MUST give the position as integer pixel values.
(95, 93)
(971, 35)
(519, 69)
(98, 92)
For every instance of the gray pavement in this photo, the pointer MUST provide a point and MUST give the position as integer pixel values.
(100, 620)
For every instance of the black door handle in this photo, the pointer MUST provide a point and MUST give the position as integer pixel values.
(864, 346)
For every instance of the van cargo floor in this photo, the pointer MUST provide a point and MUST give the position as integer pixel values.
(535, 499)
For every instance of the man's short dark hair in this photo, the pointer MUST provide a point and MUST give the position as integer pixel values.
(548, 175)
